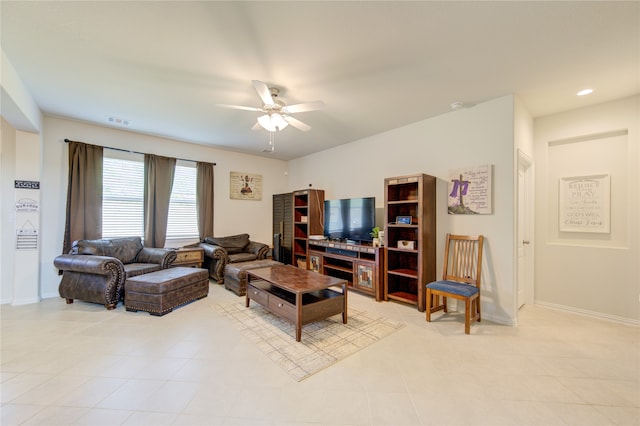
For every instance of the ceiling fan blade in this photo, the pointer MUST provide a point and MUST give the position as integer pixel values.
(256, 126)
(246, 108)
(263, 92)
(297, 123)
(306, 106)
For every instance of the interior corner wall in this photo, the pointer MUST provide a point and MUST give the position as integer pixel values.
(230, 217)
(471, 137)
(27, 232)
(20, 161)
(16, 103)
(595, 273)
(7, 211)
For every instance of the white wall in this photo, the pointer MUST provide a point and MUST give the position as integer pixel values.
(231, 216)
(17, 104)
(7, 211)
(19, 134)
(28, 166)
(480, 135)
(594, 273)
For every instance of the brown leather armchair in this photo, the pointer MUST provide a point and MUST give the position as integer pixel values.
(96, 270)
(220, 251)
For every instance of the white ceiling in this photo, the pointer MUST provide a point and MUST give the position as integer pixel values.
(165, 65)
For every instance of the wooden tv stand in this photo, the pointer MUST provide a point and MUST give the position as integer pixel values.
(359, 264)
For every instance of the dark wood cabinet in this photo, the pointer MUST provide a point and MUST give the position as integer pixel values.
(283, 227)
(360, 265)
(410, 221)
(308, 220)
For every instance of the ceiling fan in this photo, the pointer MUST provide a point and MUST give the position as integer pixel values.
(277, 114)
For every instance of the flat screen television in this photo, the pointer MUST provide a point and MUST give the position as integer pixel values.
(350, 219)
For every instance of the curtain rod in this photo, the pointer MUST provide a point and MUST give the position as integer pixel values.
(134, 152)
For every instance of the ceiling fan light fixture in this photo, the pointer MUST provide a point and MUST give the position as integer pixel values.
(272, 143)
(272, 122)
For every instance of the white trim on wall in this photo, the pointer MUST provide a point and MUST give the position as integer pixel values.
(592, 314)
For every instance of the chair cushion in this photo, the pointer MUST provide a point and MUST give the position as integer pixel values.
(135, 269)
(460, 289)
(241, 257)
(233, 244)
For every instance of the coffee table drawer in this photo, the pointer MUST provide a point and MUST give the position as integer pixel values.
(282, 308)
(257, 294)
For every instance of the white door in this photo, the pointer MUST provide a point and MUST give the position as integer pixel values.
(525, 231)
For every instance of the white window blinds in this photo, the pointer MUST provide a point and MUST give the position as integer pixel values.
(183, 216)
(123, 193)
(123, 198)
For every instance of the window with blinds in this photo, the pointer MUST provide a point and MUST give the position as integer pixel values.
(123, 198)
(183, 216)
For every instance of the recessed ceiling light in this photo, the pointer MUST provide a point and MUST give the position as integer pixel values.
(461, 105)
(585, 92)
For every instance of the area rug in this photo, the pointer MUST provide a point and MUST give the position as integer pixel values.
(323, 342)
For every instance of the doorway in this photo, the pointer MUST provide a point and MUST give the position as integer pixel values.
(524, 293)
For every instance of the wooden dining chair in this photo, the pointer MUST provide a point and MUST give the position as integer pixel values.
(460, 278)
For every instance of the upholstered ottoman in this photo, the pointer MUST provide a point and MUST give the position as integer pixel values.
(235, 274)
(161, 291)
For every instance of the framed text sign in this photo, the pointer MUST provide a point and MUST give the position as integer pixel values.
(585, 203)
(245, 186)
(470, 190)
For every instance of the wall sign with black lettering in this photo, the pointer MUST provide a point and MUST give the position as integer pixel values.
(27, 184)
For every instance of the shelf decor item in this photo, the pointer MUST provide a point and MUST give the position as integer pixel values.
(403, 220)
(407, 245)
(375, 233)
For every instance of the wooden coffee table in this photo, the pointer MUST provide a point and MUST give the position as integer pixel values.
(296, 294)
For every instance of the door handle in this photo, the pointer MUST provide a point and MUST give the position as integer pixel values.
(525, 242)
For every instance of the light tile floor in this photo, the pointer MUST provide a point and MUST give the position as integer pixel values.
(81, 364)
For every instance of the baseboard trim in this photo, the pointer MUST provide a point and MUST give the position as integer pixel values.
(499, 320)
(19, 302)
(453, 306)
(592, 314)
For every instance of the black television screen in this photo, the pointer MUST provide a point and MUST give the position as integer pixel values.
(350, 219)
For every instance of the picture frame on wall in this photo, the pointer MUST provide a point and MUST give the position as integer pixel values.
(245, 186)
(585, 204)
(471, 190)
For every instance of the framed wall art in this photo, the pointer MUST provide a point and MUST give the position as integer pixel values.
(470, 190)
(245, 186)
(584, 204)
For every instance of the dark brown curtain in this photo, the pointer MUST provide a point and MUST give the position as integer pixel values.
(158, 181)
(84, 194)
(204, 199)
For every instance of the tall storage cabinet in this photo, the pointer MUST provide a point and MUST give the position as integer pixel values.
(282, 227)
(308, 219)
(410, 240)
